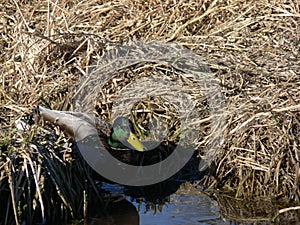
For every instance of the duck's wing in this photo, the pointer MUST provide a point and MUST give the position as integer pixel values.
(75, 124)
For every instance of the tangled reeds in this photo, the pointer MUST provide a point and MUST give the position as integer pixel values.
(251, 47)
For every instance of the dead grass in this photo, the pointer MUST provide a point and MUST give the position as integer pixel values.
(248, 211)
(252, 47)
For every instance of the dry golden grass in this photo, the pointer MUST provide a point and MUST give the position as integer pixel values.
(252, 47)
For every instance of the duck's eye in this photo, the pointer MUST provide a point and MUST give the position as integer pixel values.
(133, 138)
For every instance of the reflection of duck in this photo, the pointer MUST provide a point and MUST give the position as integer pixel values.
(118, 138)
(159, 192)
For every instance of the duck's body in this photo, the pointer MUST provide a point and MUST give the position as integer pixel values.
(119, 139)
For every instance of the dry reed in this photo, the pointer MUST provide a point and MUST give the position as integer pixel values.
(252, 47)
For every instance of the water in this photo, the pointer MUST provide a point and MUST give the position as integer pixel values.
(183, 208)
(186, 206)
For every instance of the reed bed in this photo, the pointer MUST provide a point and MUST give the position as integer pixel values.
(46, 47)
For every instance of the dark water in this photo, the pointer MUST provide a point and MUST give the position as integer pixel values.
(186, 206)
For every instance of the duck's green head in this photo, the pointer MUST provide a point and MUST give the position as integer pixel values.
(123, 135)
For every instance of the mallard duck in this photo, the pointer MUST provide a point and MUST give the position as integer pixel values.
(118, 138)
(96, 138)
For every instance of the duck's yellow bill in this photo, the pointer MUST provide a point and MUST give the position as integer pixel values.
(135, 143)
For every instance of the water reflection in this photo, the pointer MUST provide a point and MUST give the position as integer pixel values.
(179, 201)
(186, 206)
(174, 201)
